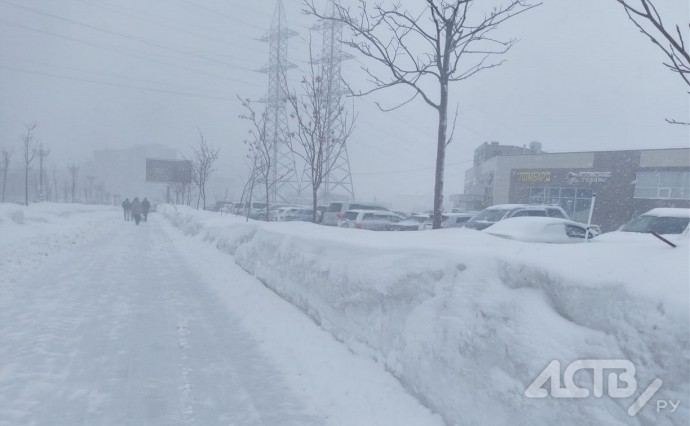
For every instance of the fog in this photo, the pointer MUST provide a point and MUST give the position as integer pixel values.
(112, 74)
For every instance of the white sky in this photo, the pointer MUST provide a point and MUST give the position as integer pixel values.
(580, 78)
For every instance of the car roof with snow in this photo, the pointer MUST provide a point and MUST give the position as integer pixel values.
(668, 212)
(524, 223)
(372, 211)
(517, 206)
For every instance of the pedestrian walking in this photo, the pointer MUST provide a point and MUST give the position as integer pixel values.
(145, 206)
(135, 209)
(125, 207)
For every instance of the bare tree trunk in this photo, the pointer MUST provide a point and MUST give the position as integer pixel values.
(26, 186)
(4, 183)
(57, 192)
(251, 192)
(314, 194)
(267, 205)
(440, 155)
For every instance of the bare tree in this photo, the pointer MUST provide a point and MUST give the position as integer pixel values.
(668, 38)
(73, 170)
(29, 151)
(261, 152)
(55, 184)
(323, 127)
(100, 193)
(5, 160)
(446, 41)
(88, 189)
(203, 159)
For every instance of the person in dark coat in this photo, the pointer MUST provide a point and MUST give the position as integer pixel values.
(135, 209)
(145, 206)
(125, 207)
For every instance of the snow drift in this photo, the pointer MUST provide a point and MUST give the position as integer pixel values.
(466, 321)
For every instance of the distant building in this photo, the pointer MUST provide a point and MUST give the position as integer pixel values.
(626, 183)
(123, 171)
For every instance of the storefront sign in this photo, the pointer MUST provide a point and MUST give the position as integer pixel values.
(533, 176)
(588, 177)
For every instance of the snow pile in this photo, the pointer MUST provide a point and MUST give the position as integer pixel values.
(467, 321)
(29, 234)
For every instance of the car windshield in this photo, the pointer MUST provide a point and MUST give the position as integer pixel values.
(659, 225)
(490, 215)
(350, 215)
(335, 207)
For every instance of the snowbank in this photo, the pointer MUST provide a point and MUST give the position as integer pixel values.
(466, 321)
(29, 234)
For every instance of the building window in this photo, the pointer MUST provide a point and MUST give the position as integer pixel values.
(663, 185)
(575, 201)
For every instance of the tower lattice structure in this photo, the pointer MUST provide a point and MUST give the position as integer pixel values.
(338, 182)
(286, 187)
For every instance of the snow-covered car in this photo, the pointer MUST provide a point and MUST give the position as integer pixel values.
(448, 220)
(497, 213)
(335, 212)
(540, 230)
(412, 222)
(302, 215)
(373, 220)
(283, 214)
(661, 221)
(671, 222)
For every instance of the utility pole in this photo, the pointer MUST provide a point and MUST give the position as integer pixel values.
(41, 153)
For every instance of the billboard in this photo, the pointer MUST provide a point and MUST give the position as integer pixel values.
(168, 171)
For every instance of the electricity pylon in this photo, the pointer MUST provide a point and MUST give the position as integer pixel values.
(286, 185)
(338, 182)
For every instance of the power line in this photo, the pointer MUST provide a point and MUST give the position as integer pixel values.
(105, 83)
(411, 170)
(242, 5)
(98, 73)
(162, 24)
(123, 52)
(216, 12)
(139, 40)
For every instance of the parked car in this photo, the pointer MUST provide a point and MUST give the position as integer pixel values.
(413, 222)
(497, 213)
(241, 208)
(671, 222)
(283, 213)
(661, 221)
(335, 211)
(540, 230)
(320, 212)
(302, 215)
(448, 220)
(373, 220)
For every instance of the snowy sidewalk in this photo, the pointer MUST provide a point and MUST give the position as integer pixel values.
(137, 328)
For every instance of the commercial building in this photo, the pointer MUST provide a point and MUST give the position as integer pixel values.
(626, 183)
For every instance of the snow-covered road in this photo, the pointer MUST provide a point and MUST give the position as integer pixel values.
(139, 326)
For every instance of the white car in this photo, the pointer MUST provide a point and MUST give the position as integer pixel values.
(497, 213)
(448, 220)
(670, 222)
(373, 220)
(285, 213)
(413, 222)
(540, 230)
